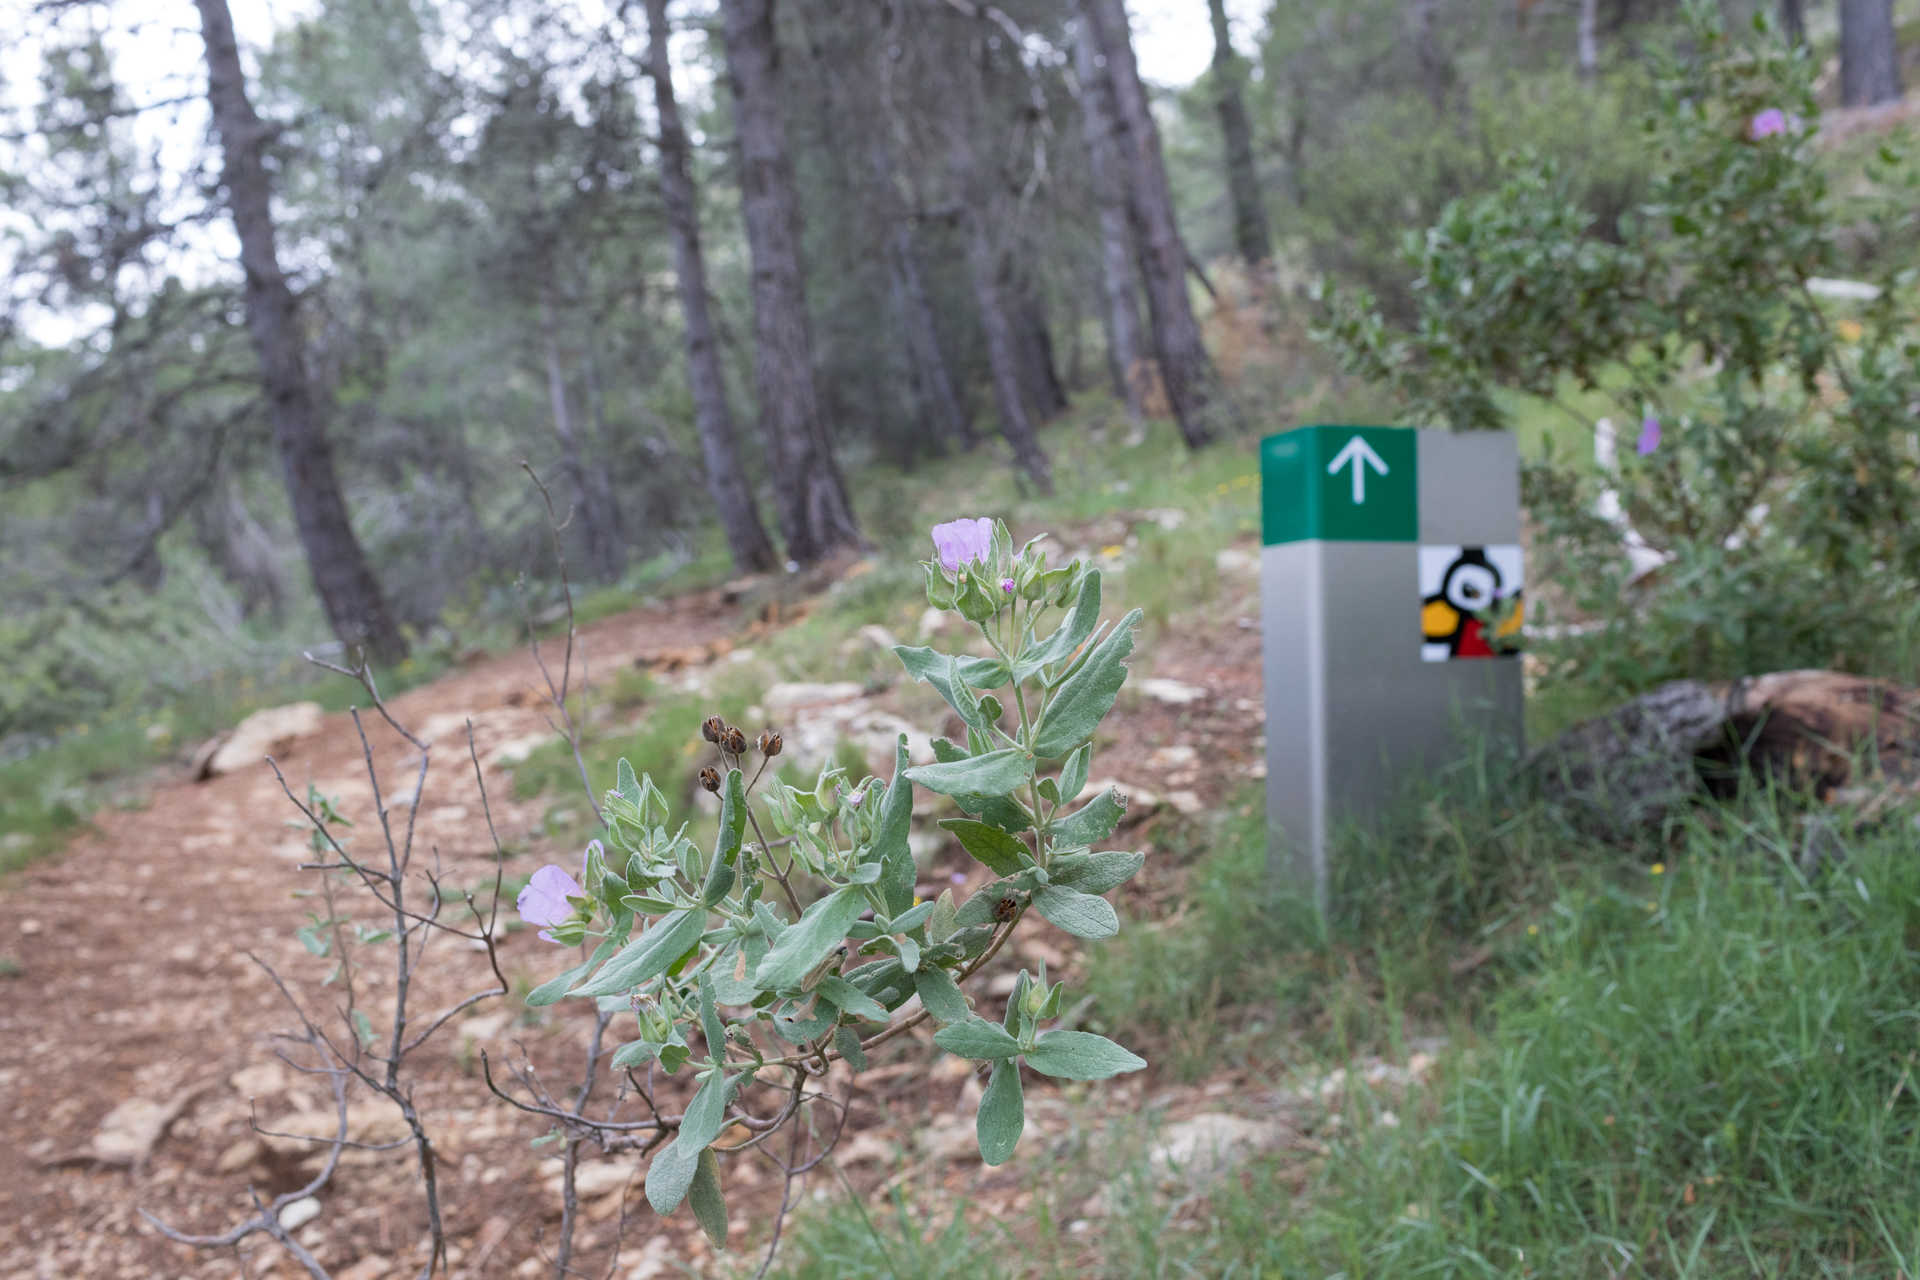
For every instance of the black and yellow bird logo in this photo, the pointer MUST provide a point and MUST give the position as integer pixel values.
(1457, 615)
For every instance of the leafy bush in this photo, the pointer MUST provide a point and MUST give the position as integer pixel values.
(1777, 463)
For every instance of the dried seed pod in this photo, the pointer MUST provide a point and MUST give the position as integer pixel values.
(713, 728)
(736, 741)
(710, 778)
(771, 743)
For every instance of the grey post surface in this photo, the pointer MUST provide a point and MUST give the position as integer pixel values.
(1351, 703)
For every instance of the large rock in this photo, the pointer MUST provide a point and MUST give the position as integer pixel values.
(272, 732)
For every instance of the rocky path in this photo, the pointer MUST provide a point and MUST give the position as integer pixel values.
(136, 1048)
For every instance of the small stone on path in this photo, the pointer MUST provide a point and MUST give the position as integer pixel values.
(299, 1213)
(1172, 692)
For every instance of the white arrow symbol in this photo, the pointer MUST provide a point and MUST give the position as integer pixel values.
(1361, 455)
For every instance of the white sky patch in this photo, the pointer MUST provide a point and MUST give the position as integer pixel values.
(1173, 40)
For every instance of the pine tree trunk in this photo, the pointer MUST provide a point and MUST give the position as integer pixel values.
(939, 398)
(594, 506)
(1186, 370)
(349, 593)
(1587, 40)
(747, 540)
(1119, 282)
(1033, 344)
(1250, 233)
(815, 515)
(987, 272)
(1869, 54)
(1793, 20)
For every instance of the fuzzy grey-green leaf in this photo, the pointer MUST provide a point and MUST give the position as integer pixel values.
(976, 1038)
(1086, 696)
(993, 773)
(1095, 872)
(647, 956)
(1002, 1115)
(941, 996)
(806, 942)
(1004, 855)
(555, 988)
(709, 1206)
(1080, 914)
(1080, 1055)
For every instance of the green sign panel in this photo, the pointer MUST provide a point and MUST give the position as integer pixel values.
(1339, 484)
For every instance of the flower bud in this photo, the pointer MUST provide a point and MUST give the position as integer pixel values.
(736, 741)
(771, 743)
(710, 779)
(713, 728)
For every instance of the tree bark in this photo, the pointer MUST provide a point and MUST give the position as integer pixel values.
(1436, 68)
(349, 593)
(933, 378)
(1869, 55)
(1251, 235)
(1793, 20)
(811, 497)
(987, 271)
(1039, 374)
(1186, 370)
(1119, 282)
(604, 558)
(1587, 40)
(747, 540)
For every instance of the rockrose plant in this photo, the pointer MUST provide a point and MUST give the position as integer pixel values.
(798, 938)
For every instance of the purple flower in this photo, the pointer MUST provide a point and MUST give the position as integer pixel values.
(958, 877)
(544, 900)
(959, 542)
(1649, 436)
(1768, 123)
(1006, 585)
(853, 801)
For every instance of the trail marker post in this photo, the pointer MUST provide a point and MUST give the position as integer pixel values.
(1392, 590)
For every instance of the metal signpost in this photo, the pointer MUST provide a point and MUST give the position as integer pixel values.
(1391, 586)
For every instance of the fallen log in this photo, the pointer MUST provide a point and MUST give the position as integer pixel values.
(1842, 737)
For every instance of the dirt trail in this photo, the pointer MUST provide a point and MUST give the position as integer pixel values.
(137, 985)
(138, 995)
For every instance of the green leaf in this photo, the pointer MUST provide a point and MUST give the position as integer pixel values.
(671, 1174)
(710, 1025)
(929, 666)
(1092, 822)
(635, 1053)
(1073, 774)
(994, 773)
(999, 811)
(799, 1025)
(847, 1041)
(1003, 854)
(910, 919)
(976, 1038)
(851, 999)
(733, 819)
(909, 954)
(890, 844)
(709, 1207)
(1002, 1115)
(554, 988)
(942, 922)
(649, 955)
(1073, 632)
(1095, 872)
(1080, 1055)
(1086, 696)
(625, 783)
(941, 995)
(807, 941)
(1080, 914)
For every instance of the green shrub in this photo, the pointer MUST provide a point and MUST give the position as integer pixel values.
(1776, 464)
